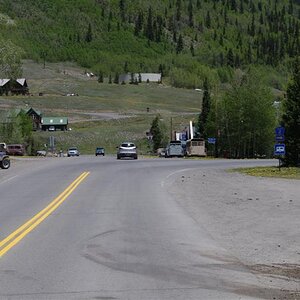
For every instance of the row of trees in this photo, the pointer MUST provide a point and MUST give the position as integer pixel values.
(16, 128)
(243, 118)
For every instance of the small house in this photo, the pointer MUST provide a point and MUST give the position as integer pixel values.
(36, 117)
(19, 87)
(54, 123)
(140, 77)
(4, 86)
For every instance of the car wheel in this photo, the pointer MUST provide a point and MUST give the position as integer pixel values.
(118, 157)
(5, 163)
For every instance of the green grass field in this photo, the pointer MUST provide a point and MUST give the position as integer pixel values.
(89, 128)
(289, 173)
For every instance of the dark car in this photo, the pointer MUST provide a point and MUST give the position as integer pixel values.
(15, 149)
(100, 151)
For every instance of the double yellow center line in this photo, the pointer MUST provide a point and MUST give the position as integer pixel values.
(16, 236)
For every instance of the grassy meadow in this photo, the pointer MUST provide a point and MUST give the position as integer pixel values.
(102, 114)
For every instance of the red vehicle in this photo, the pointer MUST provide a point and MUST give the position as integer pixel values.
(15, 149)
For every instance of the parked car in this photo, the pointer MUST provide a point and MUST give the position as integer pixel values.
(73, 151)
(127, 149)
(174, 149)
(4, 158)
(15, 149)
(100, 151)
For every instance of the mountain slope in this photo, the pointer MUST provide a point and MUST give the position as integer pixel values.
(186, 40)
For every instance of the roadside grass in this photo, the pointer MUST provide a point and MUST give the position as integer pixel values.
(289, 173)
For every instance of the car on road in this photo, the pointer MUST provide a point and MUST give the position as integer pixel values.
(73, 151)
(100, 151)
(127, 149)
(4, 158)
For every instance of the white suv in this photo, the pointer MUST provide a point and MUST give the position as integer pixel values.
(127, 149)
(73, 151)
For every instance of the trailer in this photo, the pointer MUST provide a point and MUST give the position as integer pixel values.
(195, 147)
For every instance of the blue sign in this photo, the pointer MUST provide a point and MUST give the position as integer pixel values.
(211, 140)
(279, 138)
(279, 149)
(279, 131)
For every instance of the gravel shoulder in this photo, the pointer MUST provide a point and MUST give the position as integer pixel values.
(256, 219)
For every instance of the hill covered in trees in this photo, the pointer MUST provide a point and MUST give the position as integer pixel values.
(186, 40)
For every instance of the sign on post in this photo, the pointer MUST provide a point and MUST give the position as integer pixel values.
(279, 134)
(211, 140)
(279, 149)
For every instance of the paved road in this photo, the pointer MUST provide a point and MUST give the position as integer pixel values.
(126, 230)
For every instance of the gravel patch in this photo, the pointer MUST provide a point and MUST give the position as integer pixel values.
(256, 219)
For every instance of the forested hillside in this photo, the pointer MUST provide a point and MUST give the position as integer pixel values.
(186, 40)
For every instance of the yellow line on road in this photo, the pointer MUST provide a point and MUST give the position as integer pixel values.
(16, 236)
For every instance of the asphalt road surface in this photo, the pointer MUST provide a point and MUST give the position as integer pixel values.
(99, 228)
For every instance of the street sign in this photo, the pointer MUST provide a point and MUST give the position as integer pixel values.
(279, 131)
(211, 140)
(279, 138)
(279, 134)
(279, 149)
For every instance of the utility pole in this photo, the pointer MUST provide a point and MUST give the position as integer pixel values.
(171, 129)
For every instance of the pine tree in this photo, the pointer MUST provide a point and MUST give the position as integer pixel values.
(89, 34)
(206, 104)
(190, 11)
(179, 46)
(291, 118)
(149, 26)
(116, 80)
(157, 134)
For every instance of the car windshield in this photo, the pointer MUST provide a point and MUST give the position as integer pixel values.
(127, 145)
(72, 149)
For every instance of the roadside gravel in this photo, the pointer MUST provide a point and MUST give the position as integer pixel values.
(256, 219)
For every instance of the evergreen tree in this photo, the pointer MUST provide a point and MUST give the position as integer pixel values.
(138, 24)
(89, 34)
(230, 58)
(100, 77)
(178, 10)
(116, 80)
(179, 46)
(190, 11)
(208, 20)
(157, 133)
(291, 118)
(122, 10)
(203, 116)
(149, 26)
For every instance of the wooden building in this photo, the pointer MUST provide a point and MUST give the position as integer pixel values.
(54, 123)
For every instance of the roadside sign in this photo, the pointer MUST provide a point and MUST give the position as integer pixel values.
(279, 131)
(279, 149)
(279, 138)
(211, 140)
